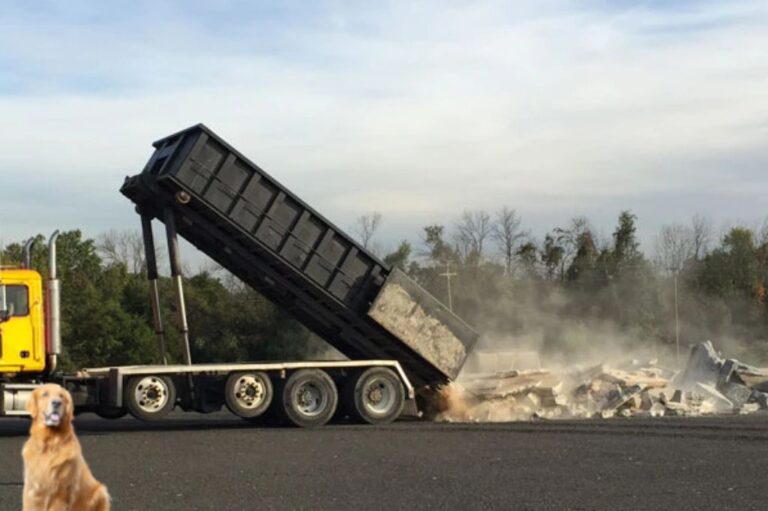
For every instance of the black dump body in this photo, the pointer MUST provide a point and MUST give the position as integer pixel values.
(257, 229)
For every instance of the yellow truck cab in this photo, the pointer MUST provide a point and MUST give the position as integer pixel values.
(22, 322)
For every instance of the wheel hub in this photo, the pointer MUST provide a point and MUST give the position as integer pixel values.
(307, 398)
(250, 391)
(151, 394)
(379, 396)
(375, 395)
(311, 400)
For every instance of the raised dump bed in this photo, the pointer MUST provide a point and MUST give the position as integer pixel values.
(260, 231)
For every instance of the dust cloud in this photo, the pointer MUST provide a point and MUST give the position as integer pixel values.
(548, 356)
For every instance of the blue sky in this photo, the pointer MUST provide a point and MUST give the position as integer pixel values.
(417, 109)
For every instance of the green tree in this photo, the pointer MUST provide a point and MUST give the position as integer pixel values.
(400, 257)
(552, 255)
(438, 250)
(527, 254)
(625, 238)
(583, 266)
(733, 267)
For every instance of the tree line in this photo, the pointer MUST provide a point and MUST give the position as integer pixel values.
(106, 315)
(571, 290)
(563, 293)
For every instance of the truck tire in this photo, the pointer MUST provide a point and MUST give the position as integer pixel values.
(309, 398)
(248, 394)
(149, 397)
(377, 396)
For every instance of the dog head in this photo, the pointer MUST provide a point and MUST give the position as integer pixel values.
(51, 406)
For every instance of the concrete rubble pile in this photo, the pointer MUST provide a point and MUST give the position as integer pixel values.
(709, 384)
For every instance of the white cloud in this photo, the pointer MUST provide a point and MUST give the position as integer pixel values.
(415, 109)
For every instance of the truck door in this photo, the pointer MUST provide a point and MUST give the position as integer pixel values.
(21, 341)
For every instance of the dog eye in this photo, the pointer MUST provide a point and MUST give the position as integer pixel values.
(45, 394)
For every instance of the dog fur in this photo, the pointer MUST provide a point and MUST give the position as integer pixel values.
(56, 476)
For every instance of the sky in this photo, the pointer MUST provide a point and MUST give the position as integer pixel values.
(415, 109)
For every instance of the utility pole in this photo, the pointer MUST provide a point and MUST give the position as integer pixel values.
(677, 323)
(448, 276)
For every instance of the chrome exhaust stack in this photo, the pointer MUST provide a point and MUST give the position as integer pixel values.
(53, 318)
(27, 262)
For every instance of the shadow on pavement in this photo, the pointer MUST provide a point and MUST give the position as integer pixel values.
(88, 424)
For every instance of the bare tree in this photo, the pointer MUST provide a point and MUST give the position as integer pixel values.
(472, 229)
(506, 232)
(366, 227)
(701, 227)
(122, 247)
(675, 244)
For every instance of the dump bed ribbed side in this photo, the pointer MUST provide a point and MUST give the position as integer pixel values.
(245, 220)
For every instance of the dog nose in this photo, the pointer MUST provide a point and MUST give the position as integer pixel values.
(56, 403)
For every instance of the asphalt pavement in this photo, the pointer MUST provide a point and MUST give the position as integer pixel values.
(217, 462)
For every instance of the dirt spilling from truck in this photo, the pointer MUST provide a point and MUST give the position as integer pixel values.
(708, 384)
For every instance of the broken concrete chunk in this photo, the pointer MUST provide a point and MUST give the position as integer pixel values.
(516, 386)
(726, 372)
(761, 398)
(657, 410)
(647, 377)
(709, 384)
(748, 408)
(622, 396)
(549, 413)
(707, 407)
(532, 400)
(704, 365)
(677, 409)
(549, 395)
(736, 393)
(721, 403)
(754, 377)
(646, 400)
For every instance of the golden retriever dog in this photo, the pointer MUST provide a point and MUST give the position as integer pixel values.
(56, 477)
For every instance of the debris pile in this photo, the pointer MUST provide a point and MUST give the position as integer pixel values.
(709, 384)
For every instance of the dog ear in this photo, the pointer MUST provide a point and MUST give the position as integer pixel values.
(32, 404)
(70, 410)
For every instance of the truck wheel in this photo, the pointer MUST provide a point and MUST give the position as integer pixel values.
(110, 412)
(309, 398)
(248, 394)
(378, 396)
(150, 397)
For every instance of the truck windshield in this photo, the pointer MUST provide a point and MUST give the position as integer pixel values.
(18, 297)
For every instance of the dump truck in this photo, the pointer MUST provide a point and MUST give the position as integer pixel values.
(401, 343)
